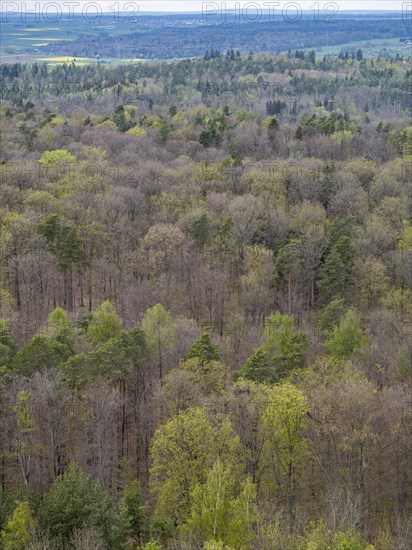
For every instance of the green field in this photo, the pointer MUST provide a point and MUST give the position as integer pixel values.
(23, 42)
(371, 48)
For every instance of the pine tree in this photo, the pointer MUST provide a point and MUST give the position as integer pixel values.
(73, 502)
(330, 316)
(336, 274)
(203, 349)
(50, 229)
(122, 526)
(40, 352)
(70, 250)
(257, 368)
(200, 230)
(119, 355)
(133, 507)
(285, 345)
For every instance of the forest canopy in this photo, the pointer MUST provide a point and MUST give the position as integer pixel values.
(206, 304)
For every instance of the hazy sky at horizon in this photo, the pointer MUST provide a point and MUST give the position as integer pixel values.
(196, 5)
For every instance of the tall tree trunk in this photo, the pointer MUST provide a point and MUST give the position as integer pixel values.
(90, 288)
(17, 285)
(289, 292)
(70, 427)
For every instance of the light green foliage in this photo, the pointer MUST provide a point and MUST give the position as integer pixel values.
(223, 509)
(258, 261)
(216, 545)
(350, 540)
(285, 344)
(23, 444)
(183, 451)
(399, 300)
(160, 331)
(243, 515)
(104, 325)
(373, 281)
(107, 125)
(169, 202)
(210, 505)
(284, 420)
(95, 153)
(73, 502)
(137, 132)
(59, 321)
(151, 546)
(210, 377)
(346, 338)
(58, 156)
(319, 537)
(159, 327)
(405, 242)
(24, 419)
(19, 528)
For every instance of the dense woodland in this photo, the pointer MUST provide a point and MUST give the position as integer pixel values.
(249, 27)
(206, 304)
